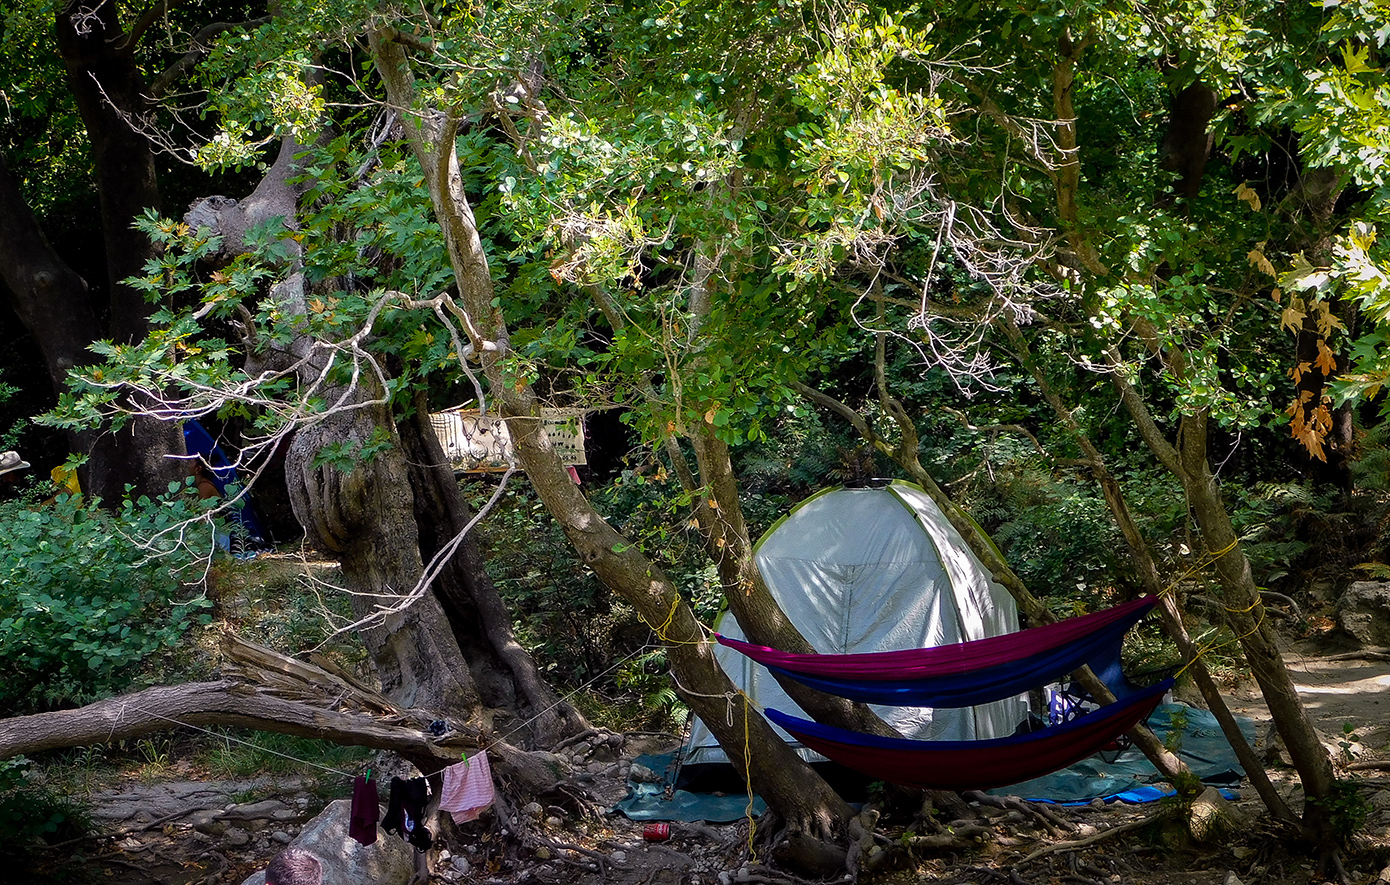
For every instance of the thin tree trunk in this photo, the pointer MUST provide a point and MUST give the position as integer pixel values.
(1149, 577)
(789, 786)
(109, 93)
(1244, 609)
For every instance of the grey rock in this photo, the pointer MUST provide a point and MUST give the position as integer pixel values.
(388, 861)
(643, 775)
(207, 821)
(256, 810)
(282, 837)
(1364, 612)
(236, 837)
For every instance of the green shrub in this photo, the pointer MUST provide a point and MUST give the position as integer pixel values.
(30, 812)
(88, 601)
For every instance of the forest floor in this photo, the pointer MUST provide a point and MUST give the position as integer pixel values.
(160, 829)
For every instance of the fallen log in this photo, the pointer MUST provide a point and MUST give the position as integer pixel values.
(237, 702)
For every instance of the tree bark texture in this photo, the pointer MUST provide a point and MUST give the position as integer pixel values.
(368, 512)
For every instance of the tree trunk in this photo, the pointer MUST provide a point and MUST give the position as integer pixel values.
(788, 785)
(1148, 576)
(365, 515)
(1244, 608)
(108, 91)
(369, 511)
(48, 295)
(506, 675)
(1246, 616)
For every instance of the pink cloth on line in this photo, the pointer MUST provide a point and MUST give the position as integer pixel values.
(467, 788)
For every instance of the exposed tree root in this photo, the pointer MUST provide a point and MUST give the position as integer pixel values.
(1098, 836)
(1045, 816)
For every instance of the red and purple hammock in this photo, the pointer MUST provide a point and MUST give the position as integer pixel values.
(963, 675)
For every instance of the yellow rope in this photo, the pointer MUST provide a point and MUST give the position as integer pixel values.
(670, 617)
(1207, 560)
(748, 781)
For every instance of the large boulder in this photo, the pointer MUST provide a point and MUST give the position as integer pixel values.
(1363, 612)
(390, 861)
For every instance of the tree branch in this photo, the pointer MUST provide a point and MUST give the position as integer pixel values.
(198, 47)
(144, 23)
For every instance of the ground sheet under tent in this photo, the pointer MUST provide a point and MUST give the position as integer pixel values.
(1125, 776)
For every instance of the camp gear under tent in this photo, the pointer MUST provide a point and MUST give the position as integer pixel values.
(872, 570)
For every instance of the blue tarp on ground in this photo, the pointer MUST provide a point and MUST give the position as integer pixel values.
(649, 802)
(1128, 778)
(1202, 746)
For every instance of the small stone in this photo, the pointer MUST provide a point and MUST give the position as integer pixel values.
(543, 853)
(1241, 852)
(581, 749)
(1084, 830)
(553, 822)
(619, 856)
(643, 775)
(461, 866)
(282, 837)
(533, 809)
(1232, 879)
(236, 836)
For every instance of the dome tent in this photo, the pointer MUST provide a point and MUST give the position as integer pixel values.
(868, 570)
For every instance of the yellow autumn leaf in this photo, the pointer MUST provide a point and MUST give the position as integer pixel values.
(713, 504)
(1326, 319)
(1258, 259)
(1245, 193)
(1292, 318)
(1326, 360)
